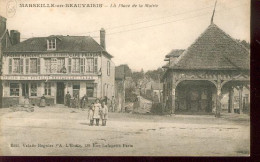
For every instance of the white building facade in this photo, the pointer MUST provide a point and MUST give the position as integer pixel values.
(56, 65)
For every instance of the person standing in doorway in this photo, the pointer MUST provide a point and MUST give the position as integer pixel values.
(67, 97)
(26, 101)
(104, 113)
(84, 101)
(77, 101)
(42, 101)
(97, 109)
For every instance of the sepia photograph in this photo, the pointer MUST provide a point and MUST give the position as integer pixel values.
(125, 78)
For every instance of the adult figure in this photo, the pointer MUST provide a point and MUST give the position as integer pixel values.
(77, 103)
(105, 99)
(113, 103)
(84, 101)
(104, 113)
(97, 109)
(26, 101)
(42, 101)
(67, 97)
(91, 114)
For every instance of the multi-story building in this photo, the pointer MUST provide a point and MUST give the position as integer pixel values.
(56, 65)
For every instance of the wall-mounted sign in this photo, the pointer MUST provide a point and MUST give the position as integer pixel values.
(52, 54)
(60, 77)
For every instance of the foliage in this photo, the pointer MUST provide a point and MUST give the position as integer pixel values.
(155, 74)
(130, 96)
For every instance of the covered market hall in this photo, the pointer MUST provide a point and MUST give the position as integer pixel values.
(215, 69)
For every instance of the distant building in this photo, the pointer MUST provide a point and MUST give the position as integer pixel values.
(56, 65)
(151, 89)
(214, 65)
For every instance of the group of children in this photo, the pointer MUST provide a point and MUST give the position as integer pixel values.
(98, 111)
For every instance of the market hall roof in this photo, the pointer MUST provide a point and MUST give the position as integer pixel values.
(63, 44)
(214, 50)
(175, 53)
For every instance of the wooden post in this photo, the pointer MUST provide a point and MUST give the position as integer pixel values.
(218, 100)
(173, 101)
(240, 99)
(231, 100)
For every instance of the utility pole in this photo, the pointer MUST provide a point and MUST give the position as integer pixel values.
(123, 103)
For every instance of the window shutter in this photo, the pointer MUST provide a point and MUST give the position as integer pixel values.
(69, 65)
(21, 65)
(82, 65)
(95, 65)
(39, 65)
(10, 65)
(27, 65)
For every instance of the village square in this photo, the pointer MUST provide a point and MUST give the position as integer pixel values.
(64, 95)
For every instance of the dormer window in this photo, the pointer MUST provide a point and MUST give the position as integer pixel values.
(51, 44)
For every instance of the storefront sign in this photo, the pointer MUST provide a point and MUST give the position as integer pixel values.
(53, 54)
(67, 77)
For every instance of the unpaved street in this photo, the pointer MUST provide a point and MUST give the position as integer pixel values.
(63, 131)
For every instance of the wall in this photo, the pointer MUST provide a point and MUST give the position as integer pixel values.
(108, 82)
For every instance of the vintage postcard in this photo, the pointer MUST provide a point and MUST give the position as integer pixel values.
(125, 78)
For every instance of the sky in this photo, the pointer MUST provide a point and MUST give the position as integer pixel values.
(137, 36)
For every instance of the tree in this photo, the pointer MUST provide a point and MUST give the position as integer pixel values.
(154, 74)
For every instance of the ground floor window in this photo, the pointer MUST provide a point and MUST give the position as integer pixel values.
(47, 89)
(33, 89)
(14, 89)
(90, 89)
(76, 88)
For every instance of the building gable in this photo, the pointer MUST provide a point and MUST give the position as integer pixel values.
(214, 50)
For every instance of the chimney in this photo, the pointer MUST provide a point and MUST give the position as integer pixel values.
(102, 38)
(2, 25)
(15, 36)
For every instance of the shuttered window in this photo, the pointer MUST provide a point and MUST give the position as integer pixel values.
(38, 65)
(21, 65)
(108, 68)
(96, 65)
(90, 65)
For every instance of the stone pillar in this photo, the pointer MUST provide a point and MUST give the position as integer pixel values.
(240, 99)
(218, 100)
(231, 100)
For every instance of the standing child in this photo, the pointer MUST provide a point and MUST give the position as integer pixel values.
(104, 113)
(97, 109)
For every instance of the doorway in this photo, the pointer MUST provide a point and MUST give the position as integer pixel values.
(25, 89)
(60, 93)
